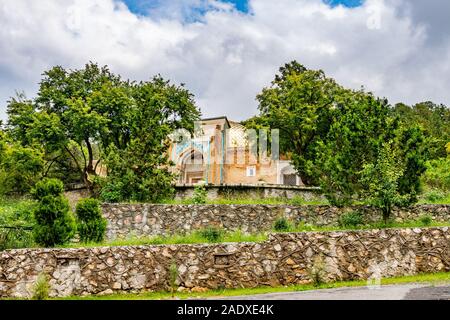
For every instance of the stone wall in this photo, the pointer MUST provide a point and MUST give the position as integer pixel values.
(284, 259)
(253, 191)
(140, 220)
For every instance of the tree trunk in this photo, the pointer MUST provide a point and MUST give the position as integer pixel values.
(90, 165)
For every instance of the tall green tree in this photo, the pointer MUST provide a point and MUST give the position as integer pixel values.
(298, 103)
(142, 166)
(80, 116)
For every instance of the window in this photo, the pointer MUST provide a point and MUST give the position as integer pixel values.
(251, 171)
(290, 179)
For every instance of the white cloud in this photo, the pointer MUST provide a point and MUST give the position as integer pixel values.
(228, 57)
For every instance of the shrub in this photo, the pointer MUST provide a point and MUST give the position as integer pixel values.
(212, 234)
(48, 187)
(20, 168)
(317, 272)
(426, 220)
(173, 273)
(41, 288)
(200, 194)
(282, 225)
(437, 174)
(90, 223)
(434, 196)
(112, 193)
(351, 219)
(54, 223)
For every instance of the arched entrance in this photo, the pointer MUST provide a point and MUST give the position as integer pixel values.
(192, 167)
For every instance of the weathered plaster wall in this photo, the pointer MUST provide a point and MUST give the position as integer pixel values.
(126, 220)
(282, 260)
(256, 191)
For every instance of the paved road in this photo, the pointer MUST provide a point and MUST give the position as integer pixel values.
(390, 292)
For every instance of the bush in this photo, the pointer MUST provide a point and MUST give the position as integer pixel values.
(20, 168)
(351, 219)
(200, 194)
(48, 187)
(212, 234)
(41, 288)
(90, 223)
(434, 196)
(282, 225)
(54, 223)
(426, 220)
(317, 272)
(437, 175)
(112, 193)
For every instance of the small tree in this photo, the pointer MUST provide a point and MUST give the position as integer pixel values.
(90, 223)
(200, 194)
(381, 180)
(54, 223)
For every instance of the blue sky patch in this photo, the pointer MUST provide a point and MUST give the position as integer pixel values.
(145, 7)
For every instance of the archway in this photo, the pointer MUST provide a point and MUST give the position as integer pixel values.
(192, 167)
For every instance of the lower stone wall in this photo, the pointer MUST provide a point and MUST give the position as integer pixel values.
(125, 220)
(284, 259)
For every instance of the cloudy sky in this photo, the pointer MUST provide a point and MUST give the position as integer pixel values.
(227, 51)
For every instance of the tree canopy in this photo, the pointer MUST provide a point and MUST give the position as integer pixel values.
(80, 117)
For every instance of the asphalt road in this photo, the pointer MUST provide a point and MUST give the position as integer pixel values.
(389, 292)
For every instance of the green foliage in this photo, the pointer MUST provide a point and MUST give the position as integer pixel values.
(433, 119)
(351, 219)
(90, 117)
(434, 196)
(381, 179)
(200, 194)
(16, 219)
(41, 288)
(298, 103)
(91, 225)
(437, 174)
(20, 168)
(212, 234)
(173, 277)
(47, 187)
(317, 272)
(55, 225)
(282, 225)
(426, 220)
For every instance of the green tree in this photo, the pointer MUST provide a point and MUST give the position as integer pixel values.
(90, 117)
(298, 103)
(359, 125)
(140, 170)
(382, 179)
(55, 224)
(433, 119)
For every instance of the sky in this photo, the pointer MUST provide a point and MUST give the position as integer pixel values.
(226, 52)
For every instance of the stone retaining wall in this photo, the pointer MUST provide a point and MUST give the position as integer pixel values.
(284, 259)
(126, 220)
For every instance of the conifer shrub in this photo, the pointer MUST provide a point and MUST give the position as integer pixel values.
(54, 224)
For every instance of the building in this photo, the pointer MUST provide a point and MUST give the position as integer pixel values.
(221, 153)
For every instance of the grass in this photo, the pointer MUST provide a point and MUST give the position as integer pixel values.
(199, 237)
(433, 279)
(193, 238)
